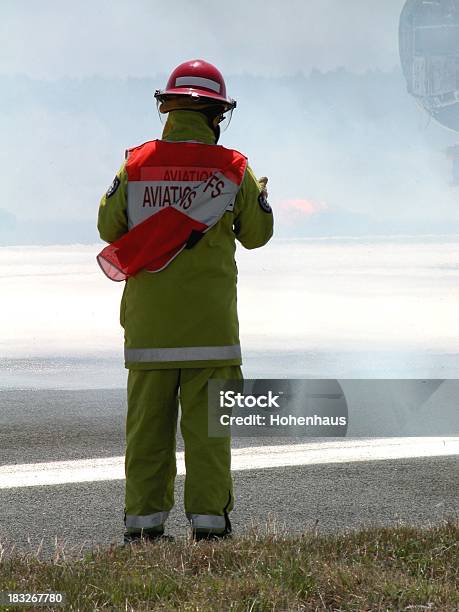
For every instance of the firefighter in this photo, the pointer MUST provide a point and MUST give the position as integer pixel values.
(178, 308)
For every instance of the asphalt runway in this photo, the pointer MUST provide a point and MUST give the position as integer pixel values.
(49, 426)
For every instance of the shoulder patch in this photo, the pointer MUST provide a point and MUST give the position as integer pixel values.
(264, 204)
(113, 187)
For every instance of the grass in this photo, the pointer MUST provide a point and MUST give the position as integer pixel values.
(400, 568)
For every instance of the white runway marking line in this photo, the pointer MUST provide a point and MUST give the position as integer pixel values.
(250, 458)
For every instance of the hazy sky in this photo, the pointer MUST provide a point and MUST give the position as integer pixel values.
(51, 38)
(347, 151)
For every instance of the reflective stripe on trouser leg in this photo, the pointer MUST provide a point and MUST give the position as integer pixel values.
(148, 521)
(209, 522)
(150, 446)
(208, 483)
(206, 521)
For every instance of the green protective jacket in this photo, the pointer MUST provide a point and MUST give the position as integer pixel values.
(185, 316)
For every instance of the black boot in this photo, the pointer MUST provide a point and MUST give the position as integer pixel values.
(143, 536)
(206, 535)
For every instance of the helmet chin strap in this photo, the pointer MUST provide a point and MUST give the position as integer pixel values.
(216, 130)
(213, 118)
(215, 127)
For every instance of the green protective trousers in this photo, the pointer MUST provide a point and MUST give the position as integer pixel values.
(153, 401)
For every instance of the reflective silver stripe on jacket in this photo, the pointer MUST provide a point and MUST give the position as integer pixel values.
(146, 521)
(185, 353)
(206, 521)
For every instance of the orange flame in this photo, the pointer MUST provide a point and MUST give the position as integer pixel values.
(301, 207)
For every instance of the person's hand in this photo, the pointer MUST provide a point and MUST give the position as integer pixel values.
(263, 182)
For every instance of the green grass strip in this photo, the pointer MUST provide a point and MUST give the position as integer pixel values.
(401, 568)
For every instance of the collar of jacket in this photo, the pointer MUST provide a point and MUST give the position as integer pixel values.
(188, 125)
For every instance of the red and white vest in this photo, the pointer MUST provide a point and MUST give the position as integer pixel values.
(176, 192)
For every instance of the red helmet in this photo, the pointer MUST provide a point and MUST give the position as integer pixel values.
(198, 79)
